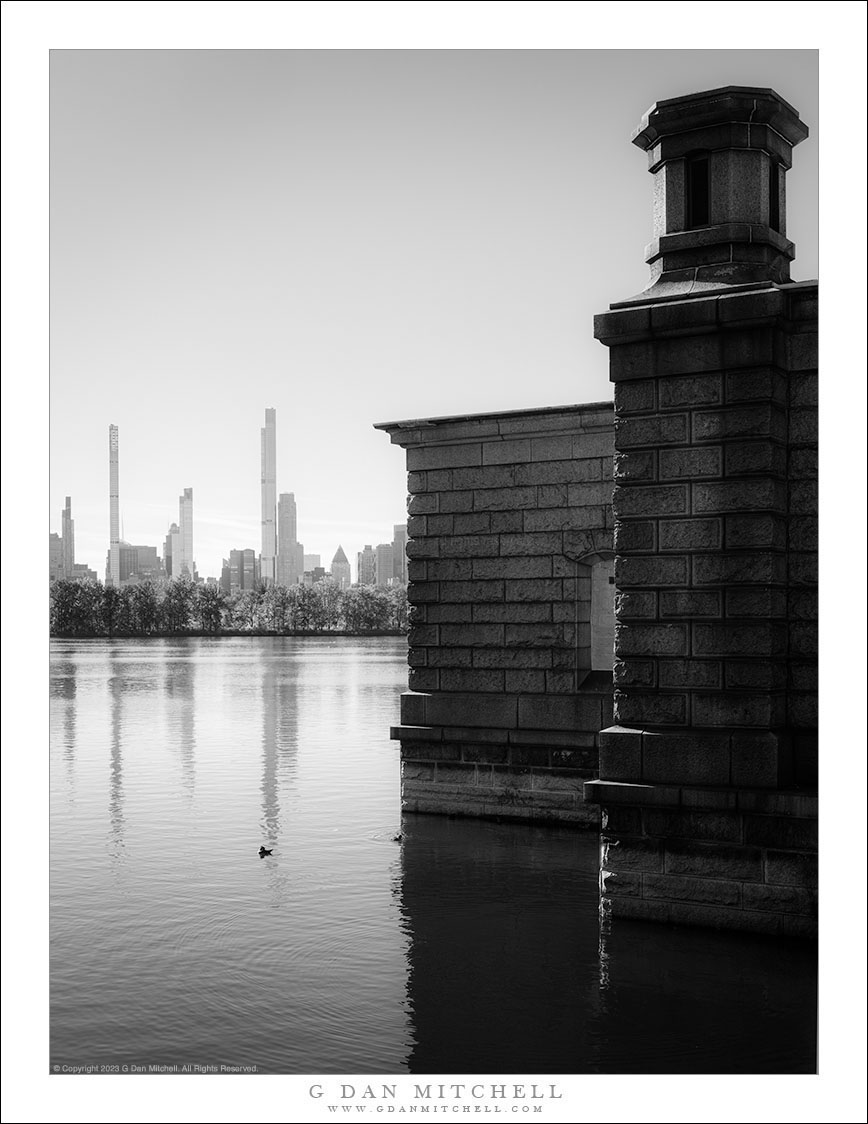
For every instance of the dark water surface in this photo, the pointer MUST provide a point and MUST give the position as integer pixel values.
(465, 947)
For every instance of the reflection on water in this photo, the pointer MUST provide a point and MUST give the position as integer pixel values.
(466, 947)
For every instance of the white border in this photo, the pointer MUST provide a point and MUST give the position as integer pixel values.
(838, 30)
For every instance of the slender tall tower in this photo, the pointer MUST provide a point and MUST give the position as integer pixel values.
(113, 577)
(185, 522)
(290, 562)
(68, 536)
(269, 497)
(399, 552)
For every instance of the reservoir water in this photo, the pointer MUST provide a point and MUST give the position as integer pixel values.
(461, 947)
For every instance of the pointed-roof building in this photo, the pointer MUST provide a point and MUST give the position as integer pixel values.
(340, 571)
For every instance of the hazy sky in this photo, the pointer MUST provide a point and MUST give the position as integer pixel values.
(350, 237)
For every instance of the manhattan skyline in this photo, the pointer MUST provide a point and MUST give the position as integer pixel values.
(348, 237)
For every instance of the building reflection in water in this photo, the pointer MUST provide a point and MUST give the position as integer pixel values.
(511, 970)
(280, 700)
(503, 942)
(179, 693)
(678, 999)
(117, 693)
(64, 686)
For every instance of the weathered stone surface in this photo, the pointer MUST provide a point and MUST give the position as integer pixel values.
(520, 613)
(418, 592)
(449, 614)
(654, 431)
(686, 758)
(688, 464)
(752, 458)
(754, 639)
(630, 854)
(463, 523)
(560, 471)
(763, 384)
(635, 536)
(790, 868)
(471, 680)
(690, 534)
(689, 673)
(489, 476)
(564, 518)
(651, 639)
(710, 861)
(689, 603)
(468, 635)
(760, 420)
(763, 531)
(639, 673)
(621, 754)
(650, 500)
(755, 675)
(652, 709)
(525, 682)
(577, 713)
(731, 709)
(804, 388)
(637, 465)
(781, 899)
(741, 495)
(780, 832)
(636, 605)
(537, 544)
(673, 887)
(746, 602)
(423, 679)
(739, 569)
(423, 503)
(443, 456)
(506, 522)
(635, 397)
(455, 501)
(512, 658)
(505, 452)
(802, 464)
(650, 570)
(690, 390)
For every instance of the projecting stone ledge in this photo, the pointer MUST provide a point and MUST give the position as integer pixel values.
(502, 756)
(729, 858)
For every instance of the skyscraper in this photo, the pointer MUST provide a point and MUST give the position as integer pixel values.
(384, 563)
(290, 552)
(68, 537)
(240, 571)
(399, 553)
(172, 551)
(269, 497)
(340, 571)
(55, 556)
(113, 573)
(367, 565)
(186, 564)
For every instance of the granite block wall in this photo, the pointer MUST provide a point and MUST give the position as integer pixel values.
(508, 513)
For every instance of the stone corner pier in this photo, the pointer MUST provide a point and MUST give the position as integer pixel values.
(707, 780)
(511, 590)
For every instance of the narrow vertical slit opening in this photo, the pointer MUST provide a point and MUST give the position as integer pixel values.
(698, 191)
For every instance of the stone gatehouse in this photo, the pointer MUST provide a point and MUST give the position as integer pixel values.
(614, 604)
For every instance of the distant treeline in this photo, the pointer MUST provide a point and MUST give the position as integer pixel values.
(88, 608)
